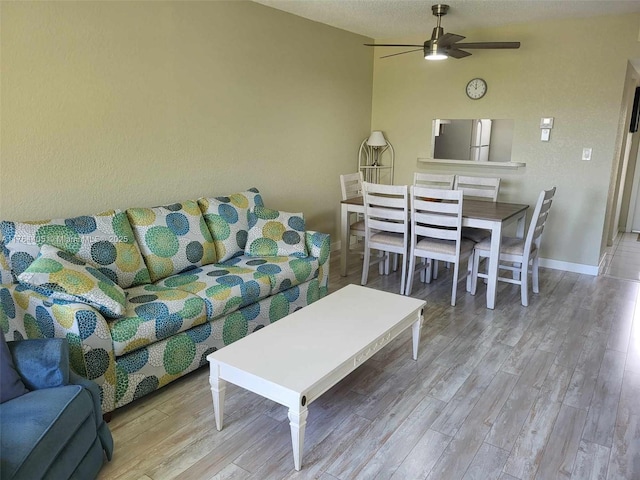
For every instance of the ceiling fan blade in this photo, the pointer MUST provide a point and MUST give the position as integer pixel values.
(402, 53)
(449, 39)
(489, 45)
(457, 53)
(389, 45)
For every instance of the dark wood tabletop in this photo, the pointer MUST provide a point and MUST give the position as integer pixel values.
(481, 209)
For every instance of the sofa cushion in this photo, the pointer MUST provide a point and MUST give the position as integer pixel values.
(283, 272)
(173, 238)
(62, 276)
(225, 288)
(105, 240)
(11, 385)
(226, 217)
(154, 312)
(275, 233)
(38, 426)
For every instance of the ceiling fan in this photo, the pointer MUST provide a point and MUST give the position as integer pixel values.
(443, 45)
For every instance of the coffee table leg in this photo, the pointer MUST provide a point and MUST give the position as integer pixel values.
(298, 421)
(416, 336)
(218, 388)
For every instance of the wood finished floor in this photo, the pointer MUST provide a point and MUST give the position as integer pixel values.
(541, 392)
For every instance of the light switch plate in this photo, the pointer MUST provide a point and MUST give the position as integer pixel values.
(586, 154)
(544, 134)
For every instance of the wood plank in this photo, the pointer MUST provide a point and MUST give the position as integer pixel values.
(487, 464)
(396, 448)
(422, 457)
(562, 447)
(625, 450)
(604, 404)
(526, 454)
(358, 454)
(591, 462)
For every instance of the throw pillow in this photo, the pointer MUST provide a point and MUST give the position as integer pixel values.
(173, 239)
(11, 385)
(227, 220)
(273, 233)
(62, 276)
(105, 240)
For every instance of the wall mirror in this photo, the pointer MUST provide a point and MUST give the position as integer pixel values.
(472, 140)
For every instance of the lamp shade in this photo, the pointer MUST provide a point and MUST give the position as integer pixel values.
(377, 139)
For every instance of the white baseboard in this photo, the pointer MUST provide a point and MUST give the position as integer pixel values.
(570, 267)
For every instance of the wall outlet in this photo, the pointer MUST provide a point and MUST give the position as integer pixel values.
(586, 154)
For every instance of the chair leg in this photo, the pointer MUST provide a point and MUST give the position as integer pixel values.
(474, 272)
(524, 285)
(454, 288)
(434, 267)
(395, 262)
(365, 265)
(382, 260)
(469, 271)
(518, 272)
(410, 273)
(534, 275)
(404, 274)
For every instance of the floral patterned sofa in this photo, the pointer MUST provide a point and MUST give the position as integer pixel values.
(144, 295)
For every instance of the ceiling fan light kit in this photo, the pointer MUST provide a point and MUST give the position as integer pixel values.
(444, 45)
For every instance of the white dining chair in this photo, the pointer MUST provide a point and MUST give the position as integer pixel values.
(386, 218)
(351, 186)
(434, 180)
(436, 232)
(521, 253)
(477, 188)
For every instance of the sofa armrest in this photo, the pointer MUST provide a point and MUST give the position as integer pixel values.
(26, 314)
(319, 246)
(41, 363)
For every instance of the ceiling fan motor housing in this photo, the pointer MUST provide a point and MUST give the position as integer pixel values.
(439, 10)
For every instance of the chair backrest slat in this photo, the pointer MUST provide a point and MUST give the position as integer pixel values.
(436, 214)
(539, 219)
(351, 185)
(386, 208)
(478, 187)
(434, 180)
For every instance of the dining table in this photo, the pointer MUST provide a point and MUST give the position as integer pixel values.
(492, 216)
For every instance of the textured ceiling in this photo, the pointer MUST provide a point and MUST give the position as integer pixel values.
(382, 19)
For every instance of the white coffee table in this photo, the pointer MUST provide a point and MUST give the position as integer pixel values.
(298, 358)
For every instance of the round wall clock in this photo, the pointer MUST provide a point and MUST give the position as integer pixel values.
(476, 88)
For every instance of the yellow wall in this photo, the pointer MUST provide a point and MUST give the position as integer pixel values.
(120, 104)
(572, 70)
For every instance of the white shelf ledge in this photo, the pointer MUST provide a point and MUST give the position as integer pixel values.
(474, 164)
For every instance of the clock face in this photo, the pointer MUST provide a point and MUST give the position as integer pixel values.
(476, 88)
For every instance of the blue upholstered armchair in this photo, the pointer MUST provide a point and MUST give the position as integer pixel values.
(51, 422)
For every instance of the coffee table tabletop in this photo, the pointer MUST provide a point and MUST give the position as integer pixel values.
(296, 359)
